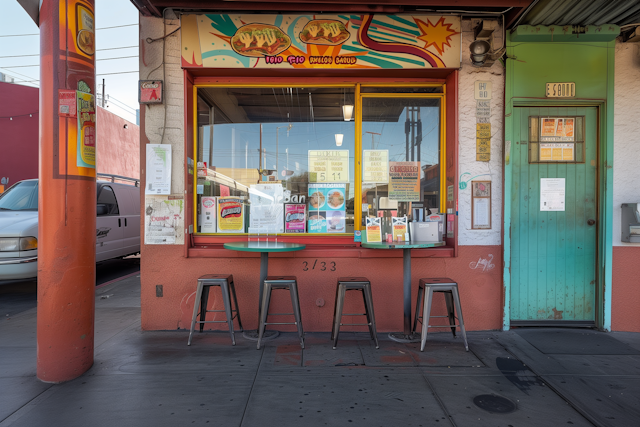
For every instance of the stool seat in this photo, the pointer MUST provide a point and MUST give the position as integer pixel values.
(351, 284)
(280, 282)
(225, 282)
(449, 287)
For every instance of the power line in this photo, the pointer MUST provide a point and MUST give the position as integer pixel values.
(102, 59)
(37, 34)
(121, 72)
(97, 50)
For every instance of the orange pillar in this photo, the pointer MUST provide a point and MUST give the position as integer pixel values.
(67, 192)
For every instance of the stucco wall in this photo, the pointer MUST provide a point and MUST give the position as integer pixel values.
(626, 133)
(164, 123)
(468, 167)
(18, 137)
(625, 300)
(117, 147)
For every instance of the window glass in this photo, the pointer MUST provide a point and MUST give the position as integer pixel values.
(23, 196)
(401, 157)
(277, 160)
(108, 198)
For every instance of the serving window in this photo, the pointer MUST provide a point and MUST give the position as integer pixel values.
(315, 160)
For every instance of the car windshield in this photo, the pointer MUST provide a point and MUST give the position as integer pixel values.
(22, 196)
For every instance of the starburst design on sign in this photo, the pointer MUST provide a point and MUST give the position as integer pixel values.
(438, 35)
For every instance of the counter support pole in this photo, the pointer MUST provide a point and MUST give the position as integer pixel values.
(264, 272)
(406, 276)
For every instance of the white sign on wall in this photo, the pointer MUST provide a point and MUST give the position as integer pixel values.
(482, 90)
(552, 194)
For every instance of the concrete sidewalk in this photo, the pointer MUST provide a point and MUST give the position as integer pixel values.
(525, 377)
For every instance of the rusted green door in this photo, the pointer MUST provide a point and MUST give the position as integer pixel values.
(553, 232)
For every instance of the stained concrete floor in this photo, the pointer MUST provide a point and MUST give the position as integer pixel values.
(524, 377)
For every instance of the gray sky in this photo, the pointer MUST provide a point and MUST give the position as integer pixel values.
(121, 88)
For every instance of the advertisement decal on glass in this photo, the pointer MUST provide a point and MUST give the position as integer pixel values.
(230, 215)
(295, 218)
(327, 208)
(328, 165)
(267, 208)
(208, 215)
(375, 166)
(404, 181)
(86, 111)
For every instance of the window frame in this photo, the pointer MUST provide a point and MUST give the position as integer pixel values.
(99, 193)
(329, 238)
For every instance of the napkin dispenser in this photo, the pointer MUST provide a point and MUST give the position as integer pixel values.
(424, 232)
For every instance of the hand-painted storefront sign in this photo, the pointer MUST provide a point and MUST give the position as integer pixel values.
(320, 41)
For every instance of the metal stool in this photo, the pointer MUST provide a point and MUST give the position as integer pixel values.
(451, 297)
(353, 284)
(280, 282)
(202, 295)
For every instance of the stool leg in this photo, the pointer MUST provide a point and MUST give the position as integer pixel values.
(203, 305)
(196, 302)
(426, 314)
(295, 303)
(448, 299)
(371, 318)
(418, 301)
(339, 307)
(226, 298)
(232, 288)
(456, 299)
(264, 308)
(335, 307)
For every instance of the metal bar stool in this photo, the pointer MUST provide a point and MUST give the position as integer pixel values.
(280, 282)
(451, 297)
(353, 284)
(202, 296)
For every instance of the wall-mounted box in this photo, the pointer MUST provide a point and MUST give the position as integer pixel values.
(630, 223)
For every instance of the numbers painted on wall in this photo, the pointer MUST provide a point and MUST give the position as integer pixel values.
(319, 265)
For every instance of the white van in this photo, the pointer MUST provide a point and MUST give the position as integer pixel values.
(117, 225)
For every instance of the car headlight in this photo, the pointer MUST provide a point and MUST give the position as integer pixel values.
(15, 244)
(28, 243)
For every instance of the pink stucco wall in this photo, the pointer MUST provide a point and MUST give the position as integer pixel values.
(480, 286)
(18, 132)
(118, 148)
(625, 298)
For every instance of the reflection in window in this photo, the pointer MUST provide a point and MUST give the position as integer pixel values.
(396, 131)
(295, 138)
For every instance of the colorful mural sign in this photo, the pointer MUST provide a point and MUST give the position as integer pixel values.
(320, 41)
(86, 113)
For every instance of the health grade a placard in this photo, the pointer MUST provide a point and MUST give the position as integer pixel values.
(327, 208)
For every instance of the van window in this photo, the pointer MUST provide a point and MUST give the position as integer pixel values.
(107, 197)
(23, 196)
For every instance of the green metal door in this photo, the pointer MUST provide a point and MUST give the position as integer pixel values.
(553, 252)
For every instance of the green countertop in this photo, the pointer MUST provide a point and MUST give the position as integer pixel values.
(264, 246)
(401, 245)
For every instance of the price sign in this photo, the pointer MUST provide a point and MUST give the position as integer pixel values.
(328, 165)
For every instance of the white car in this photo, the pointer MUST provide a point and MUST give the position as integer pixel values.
(117, 226)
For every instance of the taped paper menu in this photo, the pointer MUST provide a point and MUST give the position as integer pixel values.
(327, 208)
(550, 152)
(375, 166)
(267, 208)
(404, 181)
(374, 230)
(230, 215)
(552, 194)
(158, 169)
(328, 165)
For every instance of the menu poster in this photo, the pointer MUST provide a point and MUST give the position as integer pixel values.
(267, 208)
(295, 216)
(230, 215)
(208, 215)
(328, 165)
(327, 208)
(552, 194)
(158, 173)
(375, 166)
(374, 230)
(399, 228)
(559, 152)
(557, 129)
(404, 181)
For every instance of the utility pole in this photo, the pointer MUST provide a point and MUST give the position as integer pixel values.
(102, 93)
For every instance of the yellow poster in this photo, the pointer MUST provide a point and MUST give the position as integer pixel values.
(374, 230)
(230, 215)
